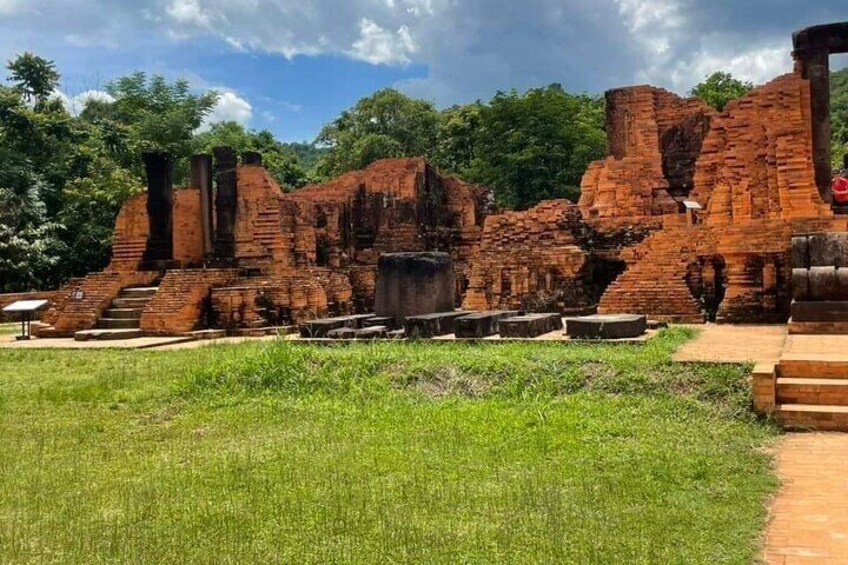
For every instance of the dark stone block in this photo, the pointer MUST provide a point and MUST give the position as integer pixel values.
(380, 321)
(432, 325)
(373, 332)
(322, 328)
(824, 311)
(820, 283)
(341, 333)
(411, 284)
(800, 256)
(482, 324)
(619, 326)
(530, 325)
(828, 249)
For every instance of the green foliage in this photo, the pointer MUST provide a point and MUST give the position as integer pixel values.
(535, 146)
(35, 78)
(839, 115)
(720, 88)
(386, 124)
(528, 147)
(278, 158)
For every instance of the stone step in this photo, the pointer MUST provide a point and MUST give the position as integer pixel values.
(117, 324)
(123, 313)
(121, 303)
(832, 392)
(809, 367)
(139, 292)
(813, 417)
(106, 335)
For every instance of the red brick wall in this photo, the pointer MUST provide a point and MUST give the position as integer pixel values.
(188, 231)
(529, 260)
(178, 305)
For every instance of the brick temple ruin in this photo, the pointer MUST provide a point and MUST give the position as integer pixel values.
(689, 218)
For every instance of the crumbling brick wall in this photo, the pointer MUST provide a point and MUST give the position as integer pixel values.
(179, 304)
(654, 138)
(755, 179)
(530, 260)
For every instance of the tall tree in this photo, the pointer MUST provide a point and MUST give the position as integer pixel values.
(278, 158)
(34, 77)
(151, 114)
(536, 146)
(386, 124)
(720, 88)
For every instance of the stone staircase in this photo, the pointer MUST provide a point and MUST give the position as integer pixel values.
(123, 317)
(812, 393)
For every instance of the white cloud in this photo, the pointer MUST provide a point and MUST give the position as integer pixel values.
(8, 7)
(230, 108)
(379, 46)
(76, 104)
(188, 12)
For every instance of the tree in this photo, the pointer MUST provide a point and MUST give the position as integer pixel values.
(151, 114)
(386, 124)
(839, 115)
(35, 78)
(536, 146)
(720, 88)
(280, 161)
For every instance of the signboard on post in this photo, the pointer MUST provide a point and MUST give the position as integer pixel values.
(26, 308)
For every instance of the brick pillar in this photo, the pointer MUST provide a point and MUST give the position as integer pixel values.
(226, 200)
(159, 167)
(201, 178)
(251, 158)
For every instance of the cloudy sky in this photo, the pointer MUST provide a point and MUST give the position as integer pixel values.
(293, 65)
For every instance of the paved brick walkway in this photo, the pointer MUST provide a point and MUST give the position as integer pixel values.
(810, 514)
(733, 344)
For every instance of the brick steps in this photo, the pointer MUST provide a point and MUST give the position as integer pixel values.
(813, 417)
(827, 392)
(122, 320)
(812, 393)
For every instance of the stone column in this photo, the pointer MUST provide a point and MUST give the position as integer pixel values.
(816, 65)
(251, 158)
(160, 200)
(226, 200)
(201, 179)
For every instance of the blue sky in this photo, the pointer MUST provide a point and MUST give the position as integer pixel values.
(292, 65)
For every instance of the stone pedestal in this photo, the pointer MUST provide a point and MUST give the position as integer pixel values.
(411, 284)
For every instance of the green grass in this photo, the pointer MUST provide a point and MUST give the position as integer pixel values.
(10, 329)
(278, 453)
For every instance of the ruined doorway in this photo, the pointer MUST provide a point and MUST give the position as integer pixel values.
(707, 282)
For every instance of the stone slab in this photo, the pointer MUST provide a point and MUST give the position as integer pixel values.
(609, 326)
(820, 311)
(320, 328)
(530, 325)
(482, 324)
(432, 325)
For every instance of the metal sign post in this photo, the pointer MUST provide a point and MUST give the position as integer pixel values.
(26, 308)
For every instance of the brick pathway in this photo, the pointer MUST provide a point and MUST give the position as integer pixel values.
(809, 522)
(733, 344)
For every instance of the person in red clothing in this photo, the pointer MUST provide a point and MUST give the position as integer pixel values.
(839, 189)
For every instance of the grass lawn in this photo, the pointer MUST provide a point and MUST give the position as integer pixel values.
(10, 329)
(274, 453)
